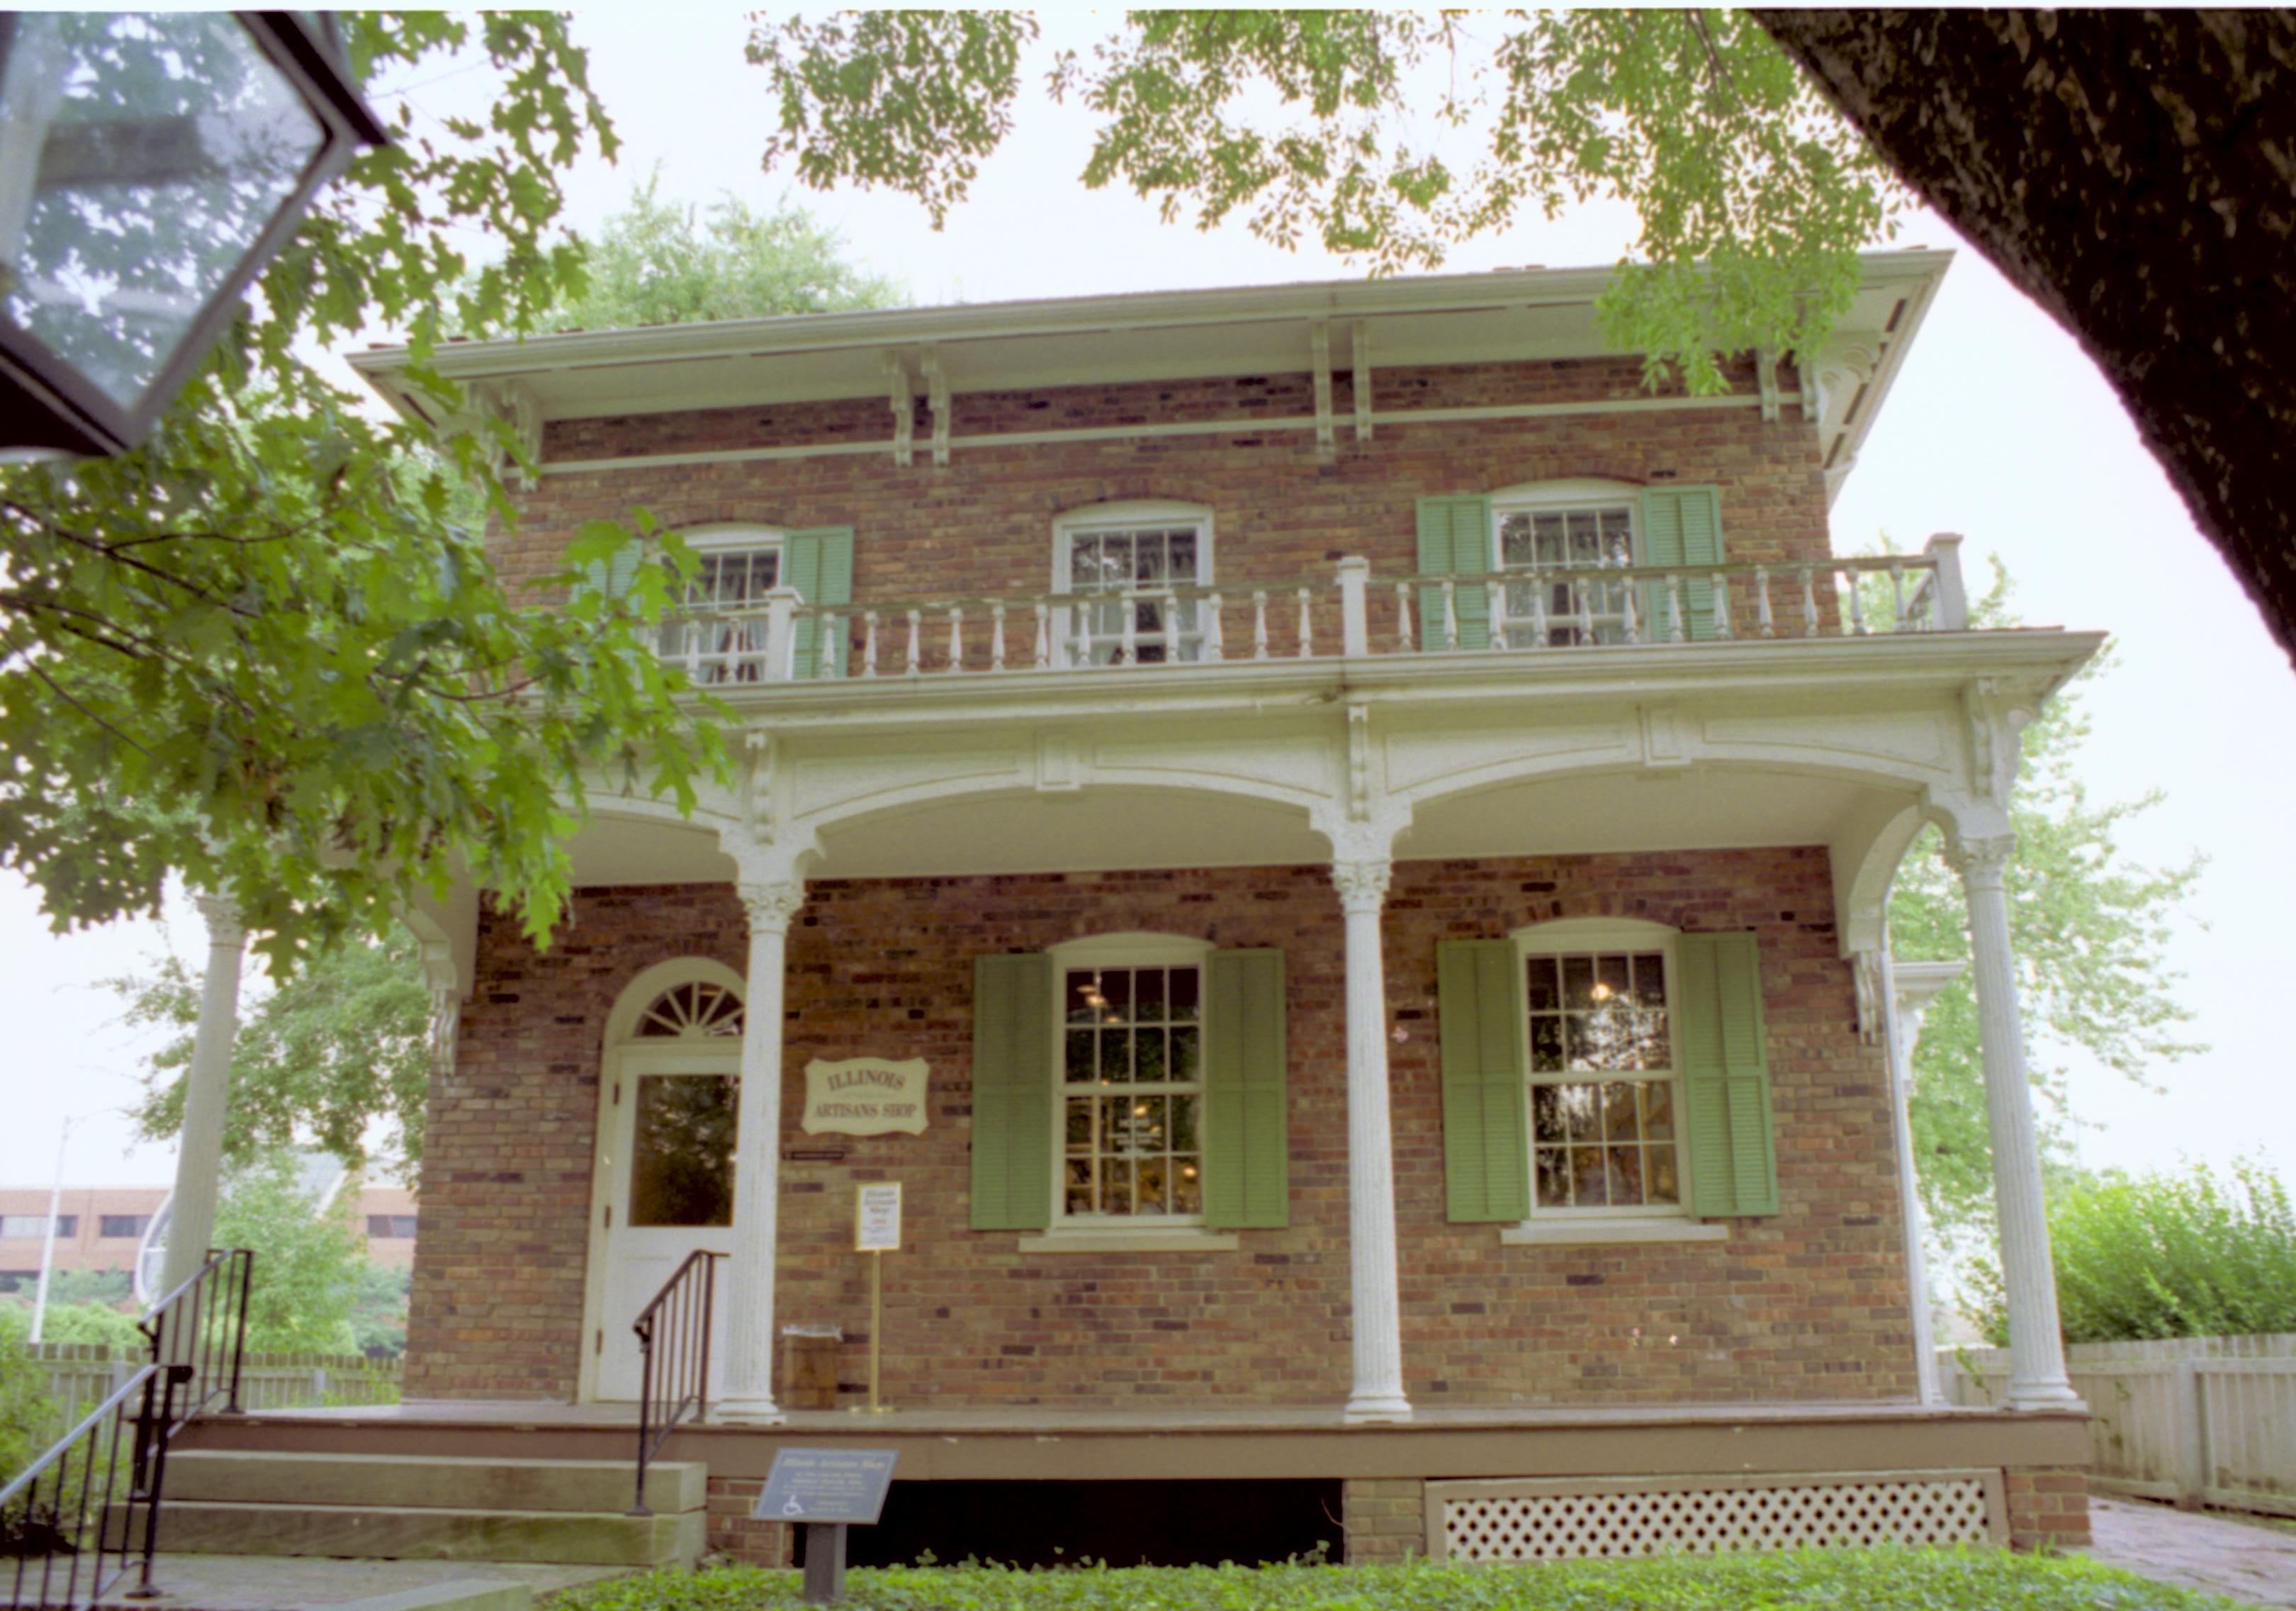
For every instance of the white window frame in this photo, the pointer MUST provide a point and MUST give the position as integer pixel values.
(1562, 497)
(1632, 1222)
(1094, 519)
(734, 644)
(1095, 1233)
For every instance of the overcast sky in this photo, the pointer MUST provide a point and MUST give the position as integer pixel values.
(1997, 428)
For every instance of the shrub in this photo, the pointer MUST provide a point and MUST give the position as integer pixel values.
(30, 1419)
(1810, 1579)
(2165, 1255)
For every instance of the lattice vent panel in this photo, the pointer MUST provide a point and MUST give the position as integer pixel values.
(1707, 1519)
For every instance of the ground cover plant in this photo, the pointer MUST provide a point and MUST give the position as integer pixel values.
(1847, 1580)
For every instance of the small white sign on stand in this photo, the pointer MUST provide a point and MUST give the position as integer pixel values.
(876, 1232)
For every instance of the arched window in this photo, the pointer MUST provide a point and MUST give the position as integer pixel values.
(1143, 558)
(696, 1010)
(1606, 1122)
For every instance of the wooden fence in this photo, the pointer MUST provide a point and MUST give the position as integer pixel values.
(2199, 1421)
(84, 1372)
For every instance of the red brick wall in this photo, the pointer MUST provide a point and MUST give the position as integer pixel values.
(2048, 1508)
(981, 525)
(1810, 1304)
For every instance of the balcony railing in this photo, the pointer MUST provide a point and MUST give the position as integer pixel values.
(1351, 614)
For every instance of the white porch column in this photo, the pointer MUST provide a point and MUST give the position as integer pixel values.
(207, 1093)
(1378, 1391)
(2036, 1351)
(1907, 988)
(748, 1290)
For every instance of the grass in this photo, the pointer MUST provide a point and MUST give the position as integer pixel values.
(1809, 1580)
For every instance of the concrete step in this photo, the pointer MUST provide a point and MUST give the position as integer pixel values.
(584, 1487)
(430, 1532)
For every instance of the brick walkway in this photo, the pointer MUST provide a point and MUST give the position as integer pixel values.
(2241, 1559)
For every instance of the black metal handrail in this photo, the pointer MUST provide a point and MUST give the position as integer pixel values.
(673, 1335)
(82, 1515)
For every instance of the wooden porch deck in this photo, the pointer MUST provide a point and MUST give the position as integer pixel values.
(1181, 1442)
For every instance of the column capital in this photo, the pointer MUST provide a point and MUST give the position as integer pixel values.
(1982, 860)
(1362, 884)
(771, 903)
(226, 925)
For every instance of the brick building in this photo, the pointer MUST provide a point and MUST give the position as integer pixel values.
(1343, 841)
(101, 1228)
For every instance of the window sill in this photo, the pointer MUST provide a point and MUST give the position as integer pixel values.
(1568, 1233)
(1174, 1240)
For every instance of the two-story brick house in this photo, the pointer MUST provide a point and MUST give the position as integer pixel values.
(1376, 825)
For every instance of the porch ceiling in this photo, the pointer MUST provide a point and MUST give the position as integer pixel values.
(621, 850)
(1683, 808)
(1089, 830)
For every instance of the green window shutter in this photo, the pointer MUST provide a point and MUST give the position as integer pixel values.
(1681, 526)
(616, 579)
(1012, 1093)
(819, 564)
(1486, 1081)
(1725, 1076)
(1246, 1149)
(1455, 540)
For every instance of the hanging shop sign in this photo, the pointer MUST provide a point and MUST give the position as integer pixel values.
(865, 1097)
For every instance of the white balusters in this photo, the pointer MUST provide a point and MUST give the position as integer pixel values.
(1129, 636)
(1856, 604)
(1402, 613)
(997, 634)
(1809, 602)
(1215, 627)
(1675, 632)
(1044, 636)
(916, 628)
(1450, 614)
(1495, 611)
(1259, 625)
(869, 643)
(1307, 632)
(1626, 616)
(1721, 606)
(1762, 601)
(1538, 634)
(1171, 624)
(1898, 596)
(1585, 613)
(956, 637)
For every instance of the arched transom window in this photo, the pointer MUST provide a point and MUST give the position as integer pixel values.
(697, 1010)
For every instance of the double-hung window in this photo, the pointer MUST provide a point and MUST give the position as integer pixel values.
(1133, 569)
(1561, 538)
(717, 632)
(1132, 1085)
(1605, 1087)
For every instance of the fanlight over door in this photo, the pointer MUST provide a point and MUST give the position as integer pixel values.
(668, 1163)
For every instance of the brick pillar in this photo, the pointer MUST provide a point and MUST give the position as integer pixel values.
(2049, 1506)
(1386, 1520)
(733, 1532)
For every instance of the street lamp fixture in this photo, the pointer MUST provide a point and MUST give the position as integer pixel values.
(150, 164)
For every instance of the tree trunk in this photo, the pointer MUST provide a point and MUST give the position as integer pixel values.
(2135, 173)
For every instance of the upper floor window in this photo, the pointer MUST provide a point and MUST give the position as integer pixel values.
(392, 1228)
(1140, 560)
(1568, 530)
(719, 634)
(1605, 1087)
(17, 1225)
(109, 1226)
(1132, 1080)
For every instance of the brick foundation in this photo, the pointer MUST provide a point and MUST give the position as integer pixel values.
(1386, 1520)
(1808, 1305)
(2049, 1506)
(734, 1533)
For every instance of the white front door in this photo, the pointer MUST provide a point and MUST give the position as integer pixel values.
(668, 1171)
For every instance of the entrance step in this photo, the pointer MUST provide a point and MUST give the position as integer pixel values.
(426, 1507)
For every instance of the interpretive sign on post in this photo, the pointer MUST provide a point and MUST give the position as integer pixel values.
(824, 1490)
(877, 1217)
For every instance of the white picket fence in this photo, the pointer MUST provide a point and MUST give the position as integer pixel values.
(84, 1372)
(2199, 1421)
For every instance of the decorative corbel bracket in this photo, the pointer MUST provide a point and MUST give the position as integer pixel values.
(1995, 712)
(445, 986)
(1866, 972)
(937, 397)
(903, 396)
(1359, 779)
(506, 403)
(759, 777)
(1319, 343)
(1766, 381)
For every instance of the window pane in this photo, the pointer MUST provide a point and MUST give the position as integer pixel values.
(1611, 982)
(1650, 980)
(1079, 1124)
(1148, 1056)
(1587, 1183)
(1619, 1111)
(1546, 1045)
(1184, 1124)
(1544, 992)
(1554, 1176)
(1626, 1179)
(1185, 1061)
(682, 1153)
(1116, 1185)
(1116, 991)
(1661, 1186)
(1149, 1182)
(1148, 557)
(1083, 996)
(1187, 1186)
(1082, 1068)
(1658, 1110)
(1579, 982)
(1183, 549)
(1184, 995)
(1082, 1195)
(1084, 562)
(1582, 1110)
(1546, 1114)
(1515, 548)
(1148, 995)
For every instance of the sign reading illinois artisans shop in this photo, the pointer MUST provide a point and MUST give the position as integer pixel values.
(865, 1097)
